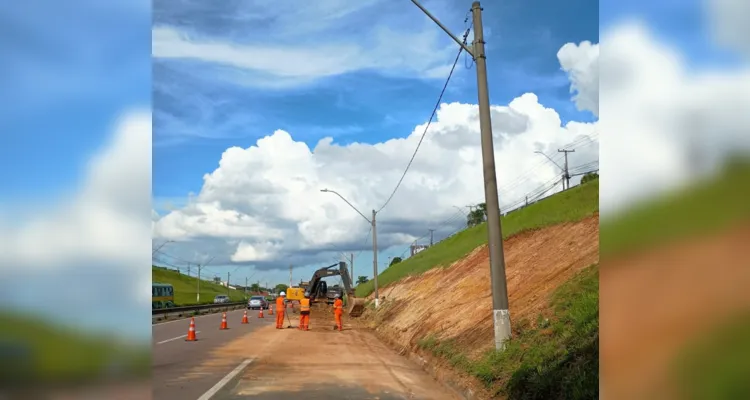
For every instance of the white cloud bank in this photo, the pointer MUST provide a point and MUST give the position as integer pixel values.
(104, 227)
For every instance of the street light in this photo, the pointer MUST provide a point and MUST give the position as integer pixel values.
(374, 242)
(500, 313)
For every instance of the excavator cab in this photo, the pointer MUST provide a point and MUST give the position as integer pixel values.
(318, 288)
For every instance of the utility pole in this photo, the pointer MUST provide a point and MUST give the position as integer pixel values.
(227, 284)
(567, 175)
(351, 266)
(198, 293)
(501, 315)
(290, 275)
(527, 200)
(375, 258)
(431, 231)
(188, 269)
(245, 286)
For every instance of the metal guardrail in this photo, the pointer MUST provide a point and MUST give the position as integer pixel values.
(166, 312)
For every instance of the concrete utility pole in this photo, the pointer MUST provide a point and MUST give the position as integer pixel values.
(198, 295)
(227, 284)
(501, 315)
(245, 286)
(431, 232)
(351, 266)
(567, 175)
(290, 275)
(373, 223)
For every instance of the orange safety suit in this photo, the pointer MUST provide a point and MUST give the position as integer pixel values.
(304, 314)
(338, 312)
(279, 312)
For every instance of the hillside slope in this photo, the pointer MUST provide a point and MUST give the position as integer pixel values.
(441, 310)
(186, 287)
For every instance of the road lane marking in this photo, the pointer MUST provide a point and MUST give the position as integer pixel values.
(211, 392)
(175, 338)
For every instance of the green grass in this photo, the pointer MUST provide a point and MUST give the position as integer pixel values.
(185, 287)
(727, 353)
(703, 208)
(557, 359)
(34, 351)
(569, 206)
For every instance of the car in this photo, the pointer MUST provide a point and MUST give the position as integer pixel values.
(257, 302)
(220, 299)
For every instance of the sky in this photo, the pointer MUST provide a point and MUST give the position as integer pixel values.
(248, 99)
(241, 143)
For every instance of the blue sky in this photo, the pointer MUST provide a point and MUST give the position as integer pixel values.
(69, 70)
(202, 108)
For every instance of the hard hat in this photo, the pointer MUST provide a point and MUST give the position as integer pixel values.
(307, 294)
(282, 294)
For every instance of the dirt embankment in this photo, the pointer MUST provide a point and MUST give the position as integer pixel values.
(455, 302)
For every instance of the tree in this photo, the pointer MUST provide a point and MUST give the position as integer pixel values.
(395, 260)
(361, 280)
(255, 287)
(281, 288)
(477, 216)
(589, 177)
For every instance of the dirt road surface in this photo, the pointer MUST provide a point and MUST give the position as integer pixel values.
(317, 364)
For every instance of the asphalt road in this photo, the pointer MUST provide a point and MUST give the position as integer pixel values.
(173, 357)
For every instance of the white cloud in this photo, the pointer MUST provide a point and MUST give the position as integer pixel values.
(663, 125)
(266, 199)
(305, 43)
(581, 63)
(730, 21)
(103, 225)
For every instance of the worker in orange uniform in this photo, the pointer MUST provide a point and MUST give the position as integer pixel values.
(280, 307)
(304, 312)
(338, 311)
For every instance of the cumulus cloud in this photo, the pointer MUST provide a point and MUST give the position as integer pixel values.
(730, 21)
(581, 63)
(102, 226)
(265, 202)
(664, 125)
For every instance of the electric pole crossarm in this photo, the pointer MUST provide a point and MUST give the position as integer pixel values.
(460, 43)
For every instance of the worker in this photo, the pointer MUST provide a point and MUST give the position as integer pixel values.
(338, 311)
(304, 312)
(280, 308)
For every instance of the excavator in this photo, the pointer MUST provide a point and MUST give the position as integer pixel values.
(319, 289)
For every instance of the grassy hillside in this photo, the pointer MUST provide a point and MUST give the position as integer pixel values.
(569, 206)
(185, 287)
(698, 210)
(557, 359)
(34, 350)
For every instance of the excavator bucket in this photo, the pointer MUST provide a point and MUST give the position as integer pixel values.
(355, 307)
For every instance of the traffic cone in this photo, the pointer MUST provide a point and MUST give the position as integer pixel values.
(224, 321)
(244, 318)
(191, 331)
(270, 310)
(260, 313)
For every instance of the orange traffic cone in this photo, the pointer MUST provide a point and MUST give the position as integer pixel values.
(224, 321)
(191, 331)
(260, 313)
(270, 310)
(244, 318)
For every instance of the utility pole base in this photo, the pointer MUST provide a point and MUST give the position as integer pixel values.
(501, 320)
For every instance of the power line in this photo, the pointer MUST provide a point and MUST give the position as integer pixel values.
(434, 111)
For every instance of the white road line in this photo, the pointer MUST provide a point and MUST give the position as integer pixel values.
(211, 392)
(178, 337)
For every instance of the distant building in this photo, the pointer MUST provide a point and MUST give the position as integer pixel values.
(416, 248)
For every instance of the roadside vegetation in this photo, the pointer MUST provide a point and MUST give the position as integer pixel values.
(185, 287)
(36, 351)
(569, 206)
(558, 358)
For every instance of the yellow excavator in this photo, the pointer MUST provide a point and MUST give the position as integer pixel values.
(318, 289)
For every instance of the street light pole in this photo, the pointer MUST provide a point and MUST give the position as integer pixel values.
(373, 224)
(501, 315)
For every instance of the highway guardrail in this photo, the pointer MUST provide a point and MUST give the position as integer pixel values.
(164, 313)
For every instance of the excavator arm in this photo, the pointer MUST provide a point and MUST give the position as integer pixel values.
(317, 287)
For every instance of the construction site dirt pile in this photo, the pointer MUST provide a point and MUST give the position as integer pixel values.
(455, 302)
